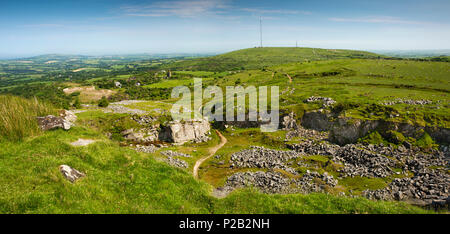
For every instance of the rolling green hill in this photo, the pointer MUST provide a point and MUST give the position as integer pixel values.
(257, 58)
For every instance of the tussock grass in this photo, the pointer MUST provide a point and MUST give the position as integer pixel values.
(18, 116)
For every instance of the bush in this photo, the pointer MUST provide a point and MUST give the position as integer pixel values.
(103, 102)
(395, 137)
(373, 138)
(77, 103)
(18, 116)
(425, 141)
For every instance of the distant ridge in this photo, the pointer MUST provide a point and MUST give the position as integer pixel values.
(256, 58)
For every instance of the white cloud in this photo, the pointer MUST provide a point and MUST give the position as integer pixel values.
(265, 11)
(181, 8)
(379, 19)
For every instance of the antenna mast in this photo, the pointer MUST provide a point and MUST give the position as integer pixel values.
(260, 31)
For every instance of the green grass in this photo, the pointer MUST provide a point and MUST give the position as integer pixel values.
(173, 83)
(120, 180)
(362, 84)
(359, 184)
(247, 201)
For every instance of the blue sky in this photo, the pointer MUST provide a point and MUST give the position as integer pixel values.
(200, 26)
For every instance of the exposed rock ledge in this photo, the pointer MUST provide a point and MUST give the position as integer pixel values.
(181, 132)
(65, 120)
(348, 130)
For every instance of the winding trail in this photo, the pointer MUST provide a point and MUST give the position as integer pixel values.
(212, 151)
(290, 78)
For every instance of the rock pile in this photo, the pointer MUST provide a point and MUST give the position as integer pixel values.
(275, 182)
(260, 157)
(266, 182)
(357, 161)
(426, 185)
(308, 182)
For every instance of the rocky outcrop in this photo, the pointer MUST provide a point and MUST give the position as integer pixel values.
(181, 132)
(65, 120)
(317, 120)
(345, 130)
(70, 174)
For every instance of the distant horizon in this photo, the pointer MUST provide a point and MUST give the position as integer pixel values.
(445, 52)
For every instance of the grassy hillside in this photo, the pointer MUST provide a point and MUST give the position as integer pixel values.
(120, 180)
(357, 84)
(256, 58)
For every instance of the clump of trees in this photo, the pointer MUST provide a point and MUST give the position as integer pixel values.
(103, 102)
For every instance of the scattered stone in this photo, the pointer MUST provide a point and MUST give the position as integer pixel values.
(120, 109)
(146, 148)
(70, 173)
(176, 162)
(82, 142)
(144, 120)
(420, 102)
(171, 153)
(326, 100)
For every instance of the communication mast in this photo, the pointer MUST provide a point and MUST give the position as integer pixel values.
(260, 31)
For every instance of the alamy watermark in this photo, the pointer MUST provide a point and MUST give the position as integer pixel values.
(235, 100)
